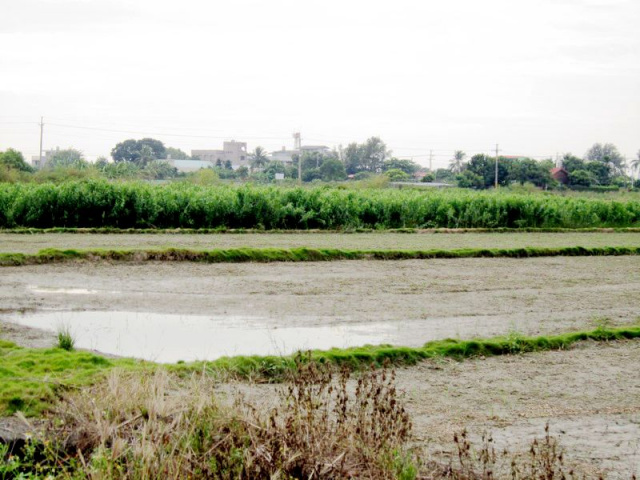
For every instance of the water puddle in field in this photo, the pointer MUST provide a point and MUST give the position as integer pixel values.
(170, 338)
(69, 291)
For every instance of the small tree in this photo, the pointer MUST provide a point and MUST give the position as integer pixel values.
(132, 151)
(258, 158)
(68, 158)
(397, 175)
(456, 164)
(607, 153)
(581, 178)
(14, 160)
(332, 170)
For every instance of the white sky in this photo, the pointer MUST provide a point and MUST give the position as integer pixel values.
(536, 76)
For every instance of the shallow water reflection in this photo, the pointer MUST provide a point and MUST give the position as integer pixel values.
(169, 338)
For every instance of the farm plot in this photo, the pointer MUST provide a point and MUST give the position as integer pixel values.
(587, 395)
(411, 301)
(25, 243)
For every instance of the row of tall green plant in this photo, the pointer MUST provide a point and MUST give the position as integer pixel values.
(181, 205)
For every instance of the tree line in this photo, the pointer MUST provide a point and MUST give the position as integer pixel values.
(602, 166)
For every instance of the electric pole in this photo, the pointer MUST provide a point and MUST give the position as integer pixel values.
(41, 130)
(431, 160)
(297, 144)
(497, 150)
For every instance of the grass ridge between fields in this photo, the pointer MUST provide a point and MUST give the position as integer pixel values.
(32, 379)
(264, 255)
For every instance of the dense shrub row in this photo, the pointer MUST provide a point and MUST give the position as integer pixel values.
(138, 205)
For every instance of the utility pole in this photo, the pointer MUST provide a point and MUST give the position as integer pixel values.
(297, 144)
(431, 160)
(497, 150)
(41, 130)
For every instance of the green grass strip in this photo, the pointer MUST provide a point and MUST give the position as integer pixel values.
(274, 368)
(31, 380)
(223, 230)
(261, 255)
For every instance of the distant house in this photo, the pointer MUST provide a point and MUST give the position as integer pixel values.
(560, 175)
(234, 152)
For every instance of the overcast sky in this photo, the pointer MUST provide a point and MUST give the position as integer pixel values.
(536, 76)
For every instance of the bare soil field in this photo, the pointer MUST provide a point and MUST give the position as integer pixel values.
(32, 243)
(589, 396)
(421, 299)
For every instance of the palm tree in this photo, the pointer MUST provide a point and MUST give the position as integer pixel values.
(258, 158)
(457, 162)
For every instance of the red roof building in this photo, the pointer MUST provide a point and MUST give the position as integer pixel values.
(560, 175)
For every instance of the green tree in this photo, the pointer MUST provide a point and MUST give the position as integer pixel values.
(571, 163)
(272, 168)
(258, 158)
(582, 178)
(443, 175)
(159, 170)
(484, 166)
(374, 153)
(456, 164)
(132, 151)
(600, 171)
(14, 160)
(528, 170)
(369, 156)
(311, 174)
(146, 155)
(407, 166)
(468, 179)
(351, 156)
(67, 158)
(397, 175)
(176, 154)
(125, 170)
(332, 170)
(428, 178)
(242, 172)
(608, 154)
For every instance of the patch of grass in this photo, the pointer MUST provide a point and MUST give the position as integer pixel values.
(66, 341)
(262, 255)
(274, 368)
(31, 379)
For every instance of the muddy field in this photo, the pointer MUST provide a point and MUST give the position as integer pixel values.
(32, 243)
(589, 396)
(419, 300)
